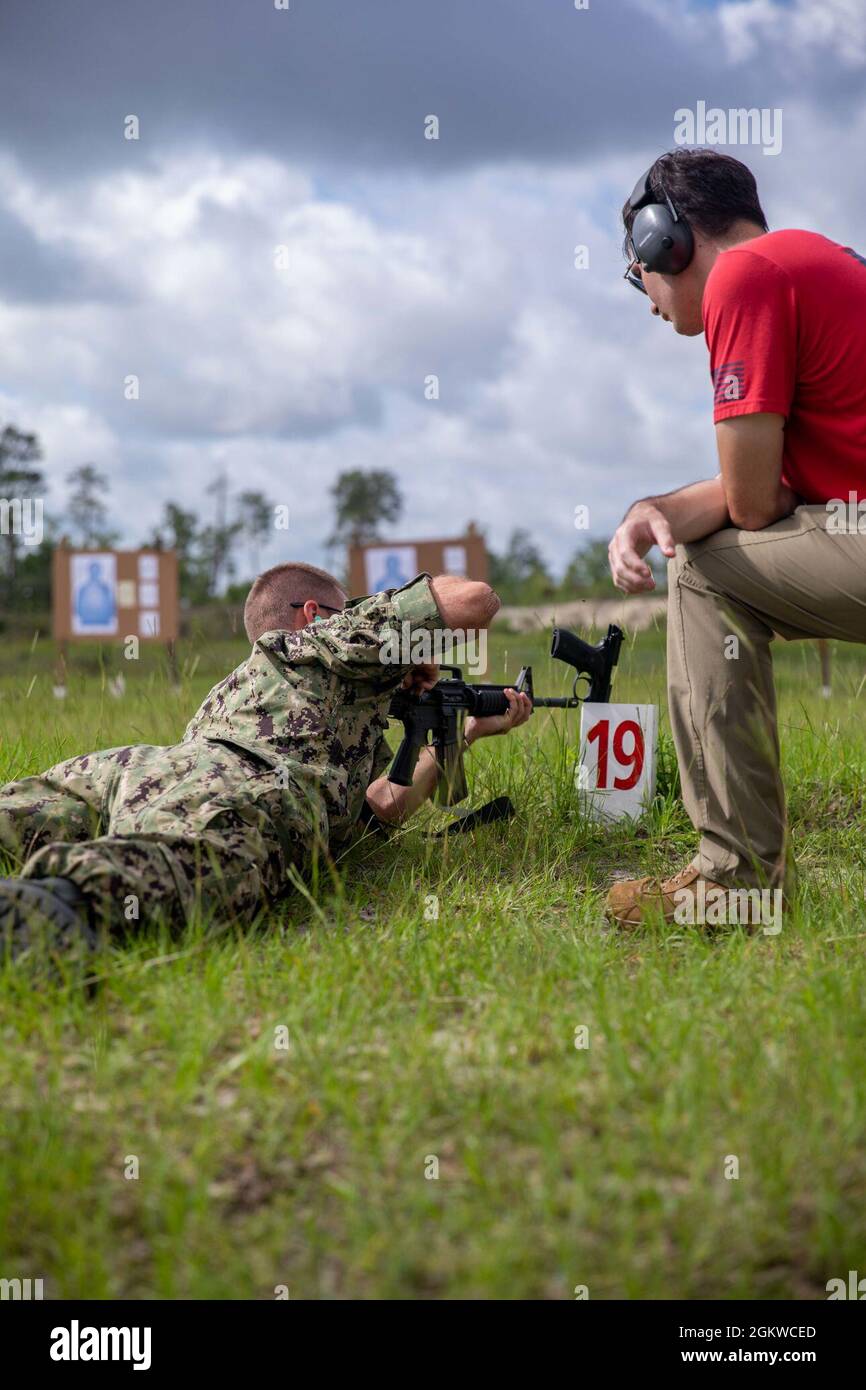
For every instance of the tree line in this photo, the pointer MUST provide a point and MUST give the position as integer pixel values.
(210, 550)
(363, 501)
(219, 552)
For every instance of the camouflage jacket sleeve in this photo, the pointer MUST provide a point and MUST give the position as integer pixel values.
(374, 640)
(367, 821)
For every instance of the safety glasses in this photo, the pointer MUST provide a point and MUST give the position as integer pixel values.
(633, 274)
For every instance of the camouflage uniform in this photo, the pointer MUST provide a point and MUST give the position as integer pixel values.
(272, 770)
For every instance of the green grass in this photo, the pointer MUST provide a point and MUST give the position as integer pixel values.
(410, 1037)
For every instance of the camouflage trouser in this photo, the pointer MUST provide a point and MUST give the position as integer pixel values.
(147, 832)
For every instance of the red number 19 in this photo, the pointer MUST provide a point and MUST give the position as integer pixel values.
(633, 759)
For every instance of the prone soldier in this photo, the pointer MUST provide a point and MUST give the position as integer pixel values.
(284, 760)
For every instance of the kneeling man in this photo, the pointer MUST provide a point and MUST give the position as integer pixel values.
(768, 545)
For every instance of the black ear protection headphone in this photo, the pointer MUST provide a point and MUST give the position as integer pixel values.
(660, 239)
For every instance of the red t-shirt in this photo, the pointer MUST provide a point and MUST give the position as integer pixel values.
(785, 323)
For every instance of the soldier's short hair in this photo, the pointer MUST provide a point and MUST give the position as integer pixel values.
(273, 601)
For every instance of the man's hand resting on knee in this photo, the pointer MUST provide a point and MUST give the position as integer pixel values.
(748, 493)
(643, 526)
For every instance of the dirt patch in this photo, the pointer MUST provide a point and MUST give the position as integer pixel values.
(635, 614)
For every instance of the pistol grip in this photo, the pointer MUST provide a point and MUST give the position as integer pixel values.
(402, 769)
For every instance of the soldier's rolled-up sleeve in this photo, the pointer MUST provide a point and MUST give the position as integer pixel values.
(374, 638)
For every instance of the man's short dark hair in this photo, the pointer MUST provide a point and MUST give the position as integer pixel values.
(275, 595)
(711, 191)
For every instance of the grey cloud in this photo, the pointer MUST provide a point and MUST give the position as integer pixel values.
(556, 389)
(337, 81)
(34, 272)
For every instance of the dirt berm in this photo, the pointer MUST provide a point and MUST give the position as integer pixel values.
(634, 614)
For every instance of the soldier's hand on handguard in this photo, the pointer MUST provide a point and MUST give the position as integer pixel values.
(519, 710)
(643, 526)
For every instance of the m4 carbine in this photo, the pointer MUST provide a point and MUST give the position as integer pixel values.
(436, 716)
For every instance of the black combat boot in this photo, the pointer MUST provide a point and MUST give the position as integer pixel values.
(48, 914)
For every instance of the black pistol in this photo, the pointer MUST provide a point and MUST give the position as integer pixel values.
(594, 664)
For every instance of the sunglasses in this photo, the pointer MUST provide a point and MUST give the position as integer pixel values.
(318, 605)
(632, 277)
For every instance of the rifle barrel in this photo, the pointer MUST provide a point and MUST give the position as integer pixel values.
(550, 702)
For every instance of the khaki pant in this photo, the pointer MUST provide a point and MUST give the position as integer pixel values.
(796, 578)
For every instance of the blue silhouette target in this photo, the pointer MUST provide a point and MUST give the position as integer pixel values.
(390, 567)
(94, 595)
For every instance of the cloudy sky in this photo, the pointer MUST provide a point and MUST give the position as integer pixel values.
(402, 257)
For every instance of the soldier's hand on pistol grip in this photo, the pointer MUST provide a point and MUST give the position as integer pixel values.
(421, 677)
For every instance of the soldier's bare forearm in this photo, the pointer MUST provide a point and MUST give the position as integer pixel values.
(393, 804)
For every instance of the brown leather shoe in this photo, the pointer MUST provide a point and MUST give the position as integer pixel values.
(688, 898)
